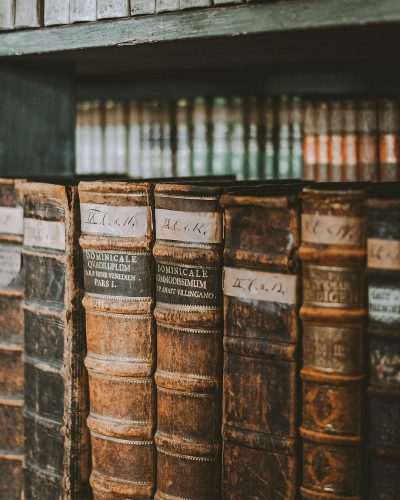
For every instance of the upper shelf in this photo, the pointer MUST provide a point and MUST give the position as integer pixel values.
(272, 32)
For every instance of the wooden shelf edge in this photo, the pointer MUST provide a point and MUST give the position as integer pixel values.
(250, 19)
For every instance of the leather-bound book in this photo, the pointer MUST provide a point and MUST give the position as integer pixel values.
(322, 140)
(188, 253)
(261, 344)
(56, 400)
(350, 142)
(389, 142)
(310, 142)
(333, 313)
(384, 341)
(117, 239)
(336, 160)
(11, 342)
(367, 123)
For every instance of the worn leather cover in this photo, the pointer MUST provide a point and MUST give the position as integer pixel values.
(56, 400)
(261, 343)
(11, 342)
(188, 253)
(117, 240)
(333, 312)
(384, 343)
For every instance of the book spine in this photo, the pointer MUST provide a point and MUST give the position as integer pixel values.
(220, 133)
(182, 138)
(384, 347)
(350, 142)
(167, 5)
(166, 138)
(188, 253)
(310, 142)
(333, 314)
(389, 147)
(11, 341)
(367, 141)
(261, 299)
(112, 8)
(269, 133)
(82, 10)
(284, 139)
(155, 139)
(96, 132)
(56, 12)
(7, 14)
(322, 142)
(252, 155)
(336, 142)
(117, 237)
(56, 402)
(139, 7)
(296, 132)
(28, 13)
(116, 137)
(134, 138)
(199, 150)
(194, 4)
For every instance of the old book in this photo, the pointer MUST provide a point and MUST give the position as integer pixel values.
(7, 14)
(166, 138)
(322, 141)
(167, 5)
(142, 7)
(268, 143)
(199, 154)
(56, 399)
(28, 13)
(134, 138)
(83, 147)
(236, 136)
(389, 146)
(220, 136)
(82, 10)
(253, 159)
(367, 124)
(115, 137)
(11, 342)
(188, 253)
(336, 142)
(193, 4)
(182, 117)
(117, 238)
(310, 142)
(350, 148)
(333, 250)
(261, 344)
(112, 8)
(283, 138)
(383, 263)
(296, 138)
(155, 139)
(56, 12)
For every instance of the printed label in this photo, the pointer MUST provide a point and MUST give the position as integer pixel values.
(115, 221)
(10, 263)
(332, 229)
(383, 254)
(179, 284)
(119, 274)
(44, 233)
(258, 285)
(12, 220)
(194, 227)
(384, 304)
(332, 286)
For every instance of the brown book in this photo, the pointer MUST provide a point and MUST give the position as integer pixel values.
(322, 141)
(389, 146)
(367, 119)
(56, 402)
(384, 342)
(11, 342)
(188, 253)
(333, 313)
(261, 342)
(336, 142)
(310, 142)
(350, 148)
(117, 239)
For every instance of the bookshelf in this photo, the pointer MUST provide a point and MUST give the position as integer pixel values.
(299, 45)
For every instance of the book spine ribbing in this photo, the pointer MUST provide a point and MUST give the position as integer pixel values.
(11, 341)
(333, 314)
(384, 347)
(117, 238)
(188, 253)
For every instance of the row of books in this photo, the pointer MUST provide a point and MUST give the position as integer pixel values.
(151, 343)
(35, 13)
(251, 137)
(156, 138)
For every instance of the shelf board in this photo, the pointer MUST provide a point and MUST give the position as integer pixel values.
(251, 19)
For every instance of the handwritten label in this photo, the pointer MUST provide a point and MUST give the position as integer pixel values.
(44, 234)
(194, 227)
(259, 285)
(110, 220)
(179, 284)
(384, 304)
(10, 263)
(383, 254)
(119, 274)
(11, 220)
(333, 229)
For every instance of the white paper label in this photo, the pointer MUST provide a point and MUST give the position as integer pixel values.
(44, 233)
(333, 229)
(384, 304)
(128, 222)
(11, 220)
(194, 227)
(259, 285)
(10, 263)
